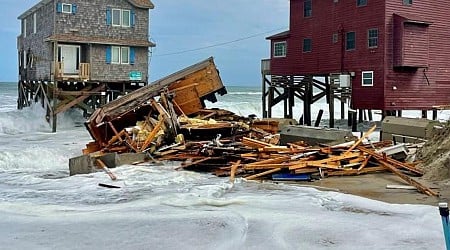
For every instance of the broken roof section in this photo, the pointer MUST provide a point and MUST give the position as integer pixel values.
(188, 87)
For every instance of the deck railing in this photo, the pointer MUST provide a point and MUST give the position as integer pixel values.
(84, 72)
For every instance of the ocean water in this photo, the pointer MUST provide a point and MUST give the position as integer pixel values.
(158, 207)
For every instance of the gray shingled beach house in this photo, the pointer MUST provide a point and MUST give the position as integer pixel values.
(85, 40)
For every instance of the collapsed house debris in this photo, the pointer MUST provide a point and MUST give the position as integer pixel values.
(167, 120)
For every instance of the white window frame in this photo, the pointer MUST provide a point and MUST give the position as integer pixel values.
(118, 52)
(284, 49)
(113, 19)
(65, 5)
(129, 18)
(24, 28)
(122, 49)
(115, 53)
(34, 23)
(367, 78)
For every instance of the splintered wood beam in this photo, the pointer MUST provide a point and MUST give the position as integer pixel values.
(365, 135)
(394, 162)
(271, 161)
(347, 172)
(325, 161)
(409, 180)
(103, 166)
(255, 143)
(266, 166)
(152, 135)
(192, 163)
(234, 168)
(365, 162)
(251, 177)
(127, 141)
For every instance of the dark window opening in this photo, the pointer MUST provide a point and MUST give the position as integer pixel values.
(361, 3)
(372, 35)
(307, 8)
(307, 45)
(350, 39)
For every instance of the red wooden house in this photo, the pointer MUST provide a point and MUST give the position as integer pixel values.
(396, 53)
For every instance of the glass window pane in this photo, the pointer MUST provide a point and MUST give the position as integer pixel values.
(116, 17)
(280, 49)
(115, 55)
(125, 55)
(66, 8)
(126, 18)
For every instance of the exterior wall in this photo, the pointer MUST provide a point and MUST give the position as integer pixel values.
(90, 20)
(279, 64)
(100, 71)
(328, 18)
(42, 52)
(419, 88)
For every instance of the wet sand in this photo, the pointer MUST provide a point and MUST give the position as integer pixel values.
(373, 186)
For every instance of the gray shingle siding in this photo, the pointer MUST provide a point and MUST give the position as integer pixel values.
(90, 20)
(34, 42)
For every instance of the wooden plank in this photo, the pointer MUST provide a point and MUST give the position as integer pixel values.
(76, 101)
(251, 177)
(152, 135)
(394, 162)
(234, 168)
(349, 172)
(105, 168)
(324, 161)
(255, 143)
(365, 135)
(409, 180)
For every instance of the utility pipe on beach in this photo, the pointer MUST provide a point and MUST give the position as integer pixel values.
(443, 210)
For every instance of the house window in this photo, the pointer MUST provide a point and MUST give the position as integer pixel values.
(116, 17)
(120, 55)
(24, 28)
(335, 37)
(350, 41)
(125, 55)
(361, 3)
(372, 36)
(407, 2)
(367, 78)
(279, 49)
(34, 23)
(66, 8)
(307, 8)
(126, 18)
(307, 45)
(120, 17)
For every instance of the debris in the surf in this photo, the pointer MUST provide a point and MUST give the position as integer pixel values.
(167, 121)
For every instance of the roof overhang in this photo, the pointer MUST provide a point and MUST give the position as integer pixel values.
(144, 4)
(34, 8)
(284, 34)
(72, 38)
(414, 19)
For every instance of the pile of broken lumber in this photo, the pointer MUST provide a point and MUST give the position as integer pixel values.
(257, 159)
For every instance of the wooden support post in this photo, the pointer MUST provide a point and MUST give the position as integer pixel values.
(271, 95)
(319, 118)
(434, 114)
(369, 113)
(263, 173)
(307, 102)
(263, 86)
(354, 123)
(330, 95)
(360, 115)
(54, 105)
(424, 114)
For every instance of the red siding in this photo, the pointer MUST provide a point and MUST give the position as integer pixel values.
(394, 88)
(427, 85)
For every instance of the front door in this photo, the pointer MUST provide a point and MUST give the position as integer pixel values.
(69, 55)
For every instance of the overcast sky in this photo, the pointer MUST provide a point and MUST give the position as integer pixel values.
(177, 26)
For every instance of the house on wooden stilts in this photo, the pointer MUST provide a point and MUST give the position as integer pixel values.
(372, 54)
(82, 53)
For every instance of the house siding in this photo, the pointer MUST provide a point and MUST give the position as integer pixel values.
(101, 71)
(88, 22)
(42, 52)
(420, 87)
(421, 48)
